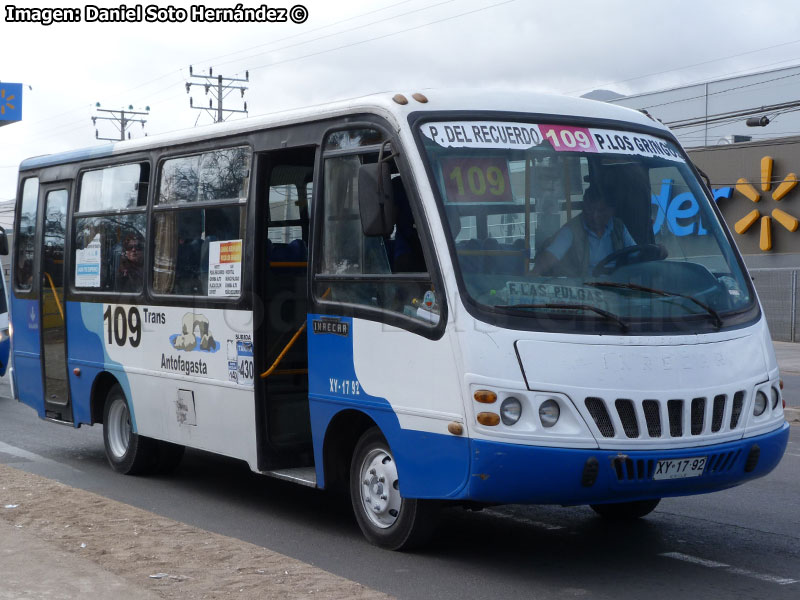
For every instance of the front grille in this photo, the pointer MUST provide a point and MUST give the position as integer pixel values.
(738, 401)
(698, 415)
(675, 411)
(626, 418)
(652, 416)
(719, 412)
(629, 469)
(627, 415)
(600, 415)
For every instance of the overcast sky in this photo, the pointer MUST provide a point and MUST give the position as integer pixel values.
(348, 48)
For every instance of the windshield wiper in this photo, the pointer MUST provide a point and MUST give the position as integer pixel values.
(557, 305)
(635, 286)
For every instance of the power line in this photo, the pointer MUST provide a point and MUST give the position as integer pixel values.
(689, 66)
(121, 119)
(380, 37)
(219, 87)
(738, 87)
(732, 115)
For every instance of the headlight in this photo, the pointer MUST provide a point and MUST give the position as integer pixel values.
(760, 405)
(549, 412)
(510, 411)
(776, 396)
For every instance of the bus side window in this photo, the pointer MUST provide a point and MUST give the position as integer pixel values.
(199, 222)
(26, 235)
(397, 275)
(110, 228)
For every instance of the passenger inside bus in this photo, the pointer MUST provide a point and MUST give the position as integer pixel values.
(585, 240)
(129, 274)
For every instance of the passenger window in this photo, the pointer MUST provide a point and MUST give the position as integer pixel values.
(112, 188)
(109, 252)
(385, 273)
(198, 249)
(26, 235)
(108, 248)
(199, 252)
(220, 175)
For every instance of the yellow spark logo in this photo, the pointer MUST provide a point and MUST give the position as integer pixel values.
(6, 102)
(747, 189)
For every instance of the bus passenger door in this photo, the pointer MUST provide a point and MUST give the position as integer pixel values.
(283, 201)
(52, 310)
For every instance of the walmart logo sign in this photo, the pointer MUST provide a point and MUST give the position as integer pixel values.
(748, 190)
(10, 102)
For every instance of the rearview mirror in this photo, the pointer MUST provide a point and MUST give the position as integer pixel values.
(375, 201)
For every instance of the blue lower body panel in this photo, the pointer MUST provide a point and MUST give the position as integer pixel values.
(509, 473)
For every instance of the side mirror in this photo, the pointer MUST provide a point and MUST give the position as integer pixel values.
(375, 200)
(3, 242)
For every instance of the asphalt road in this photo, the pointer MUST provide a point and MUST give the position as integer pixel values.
(740, 543)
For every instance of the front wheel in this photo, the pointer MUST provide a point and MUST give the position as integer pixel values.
(626, 511)
(386, 518)
(127, 452)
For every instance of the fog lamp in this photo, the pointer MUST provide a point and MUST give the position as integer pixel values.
(776, 396)
(549, 412)
(760, 405)
(510, 410)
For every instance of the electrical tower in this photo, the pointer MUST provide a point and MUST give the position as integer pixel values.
(219, 87)
(122, 120)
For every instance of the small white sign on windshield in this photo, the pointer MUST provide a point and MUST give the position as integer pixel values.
(562, 138)
(523, 292)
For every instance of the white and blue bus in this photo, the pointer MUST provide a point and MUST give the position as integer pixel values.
(461, 298)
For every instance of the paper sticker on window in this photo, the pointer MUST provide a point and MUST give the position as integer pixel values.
(87, 265)
(225, 268)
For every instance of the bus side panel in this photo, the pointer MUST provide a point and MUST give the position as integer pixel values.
(177, 390)
(430, 464)
(88, 353)
(28, 353)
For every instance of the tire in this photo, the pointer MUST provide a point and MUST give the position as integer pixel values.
(626, 511)
(127, 452)
(386, 518)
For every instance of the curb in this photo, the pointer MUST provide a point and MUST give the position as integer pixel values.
(792, 414)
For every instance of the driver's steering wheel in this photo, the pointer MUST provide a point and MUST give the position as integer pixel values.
(629, 255)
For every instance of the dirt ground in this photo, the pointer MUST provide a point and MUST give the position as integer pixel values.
(135, 545)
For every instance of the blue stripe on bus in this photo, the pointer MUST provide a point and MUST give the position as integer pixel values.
(27, 353)
(47, 160)
(429, 465)
(86, 344)
(510, 473)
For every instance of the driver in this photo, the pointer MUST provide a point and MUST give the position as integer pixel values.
(585, 240)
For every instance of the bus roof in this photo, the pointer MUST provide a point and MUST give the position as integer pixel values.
(380, 103)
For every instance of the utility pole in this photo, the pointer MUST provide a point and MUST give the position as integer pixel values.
(220, 87)
(121, 118)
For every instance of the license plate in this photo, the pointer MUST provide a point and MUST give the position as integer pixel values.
(679, 468)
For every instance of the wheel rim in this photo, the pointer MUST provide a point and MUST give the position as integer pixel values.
(380, 495)
(119, 428)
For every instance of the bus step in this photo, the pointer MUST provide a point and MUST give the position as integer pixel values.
(58, 420)
(302, 475)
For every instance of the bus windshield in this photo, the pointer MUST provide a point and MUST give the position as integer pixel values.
(582, 225)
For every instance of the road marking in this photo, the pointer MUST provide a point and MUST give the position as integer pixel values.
(526, 521)
(792, 454)
(20, 453)
(737, 571)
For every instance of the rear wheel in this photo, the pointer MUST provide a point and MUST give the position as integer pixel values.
(386, 518)
(626, 511)
(126, 451)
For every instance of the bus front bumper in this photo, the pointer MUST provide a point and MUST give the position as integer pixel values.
(510, 473)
